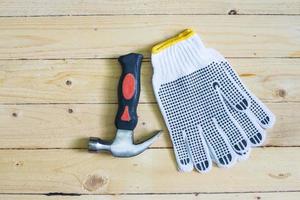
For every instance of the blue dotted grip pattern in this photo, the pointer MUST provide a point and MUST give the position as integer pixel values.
(211, 116)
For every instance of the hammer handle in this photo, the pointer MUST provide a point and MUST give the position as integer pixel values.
(128, 91)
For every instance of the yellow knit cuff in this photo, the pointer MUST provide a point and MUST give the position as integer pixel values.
(180, 37)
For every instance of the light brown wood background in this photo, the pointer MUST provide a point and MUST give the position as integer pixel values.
(58, 78)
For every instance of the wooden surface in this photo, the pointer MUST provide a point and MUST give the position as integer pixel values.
(61, 37)
(58, 79)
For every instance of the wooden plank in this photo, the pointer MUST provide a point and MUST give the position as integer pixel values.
(53, 126)
(74, 171)
(98, 7)
(238, 196)
(111, 36)
(95, 81)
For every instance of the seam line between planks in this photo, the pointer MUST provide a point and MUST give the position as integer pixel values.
(152, 148)
(115, 103)
(146, 59)
(152, 14)
(124, 194)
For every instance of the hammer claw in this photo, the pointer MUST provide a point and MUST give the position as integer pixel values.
(122, 145)
(144, 145)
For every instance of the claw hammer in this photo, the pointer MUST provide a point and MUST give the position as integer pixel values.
(126, 118)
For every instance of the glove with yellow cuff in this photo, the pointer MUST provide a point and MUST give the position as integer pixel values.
(210, 114)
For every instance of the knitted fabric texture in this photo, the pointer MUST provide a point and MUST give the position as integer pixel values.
(210, 114)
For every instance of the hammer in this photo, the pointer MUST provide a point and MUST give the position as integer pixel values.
(126, 118)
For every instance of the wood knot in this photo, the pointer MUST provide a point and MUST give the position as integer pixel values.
(258, 198)
(281, 92)
(14, 114)
(19, 163)
(95, 182)
(70, 110)
(232, 12)
(68, 82)
(280, 175)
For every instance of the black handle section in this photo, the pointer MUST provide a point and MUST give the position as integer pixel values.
(128, 91)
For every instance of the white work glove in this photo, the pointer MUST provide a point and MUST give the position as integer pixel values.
(209, 113)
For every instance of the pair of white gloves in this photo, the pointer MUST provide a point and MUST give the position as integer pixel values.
(210, 114)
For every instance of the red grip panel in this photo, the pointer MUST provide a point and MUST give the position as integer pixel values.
(125, 115)
(128, 86)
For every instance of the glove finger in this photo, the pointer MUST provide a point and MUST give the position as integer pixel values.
(246, 120)
(263, 115)
(198, 149)
(234, 132)
(228, 88)
(217, 143)
(182, 155)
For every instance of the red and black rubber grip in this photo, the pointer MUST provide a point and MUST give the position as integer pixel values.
(128, 91)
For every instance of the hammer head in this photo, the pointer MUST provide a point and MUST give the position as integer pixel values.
(123, 144)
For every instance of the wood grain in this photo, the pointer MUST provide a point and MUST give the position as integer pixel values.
(133, 7)
(57, 89)
(154, 171)
(95, 81)
(70, 125)
(112, 36)
(195, 196)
